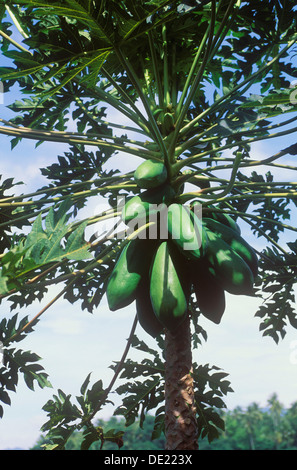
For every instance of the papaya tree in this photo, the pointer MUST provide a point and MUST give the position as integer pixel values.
(182, 88)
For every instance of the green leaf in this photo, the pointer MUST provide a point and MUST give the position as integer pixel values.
(46, 244)
(81, 11)
(90, 435)
(73, 249)
(18, 362)
(32, 372)
(85, 385)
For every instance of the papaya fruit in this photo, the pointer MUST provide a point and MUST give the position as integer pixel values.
(235, 275)
(235, 241)
(209, 292)
(202, 231)
(186, 231)
(221, 217)
(168, 123)
(146, 203)
(168, 298)
(144, 310)
(132, 264)
(150, 174)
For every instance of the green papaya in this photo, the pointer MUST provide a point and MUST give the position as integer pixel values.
(168, 298)
(132, 264)
(146, 203)
(235, 275)
(168, 123)
(209, 292)
(221, 217)
(145, 313)
(186, 231)
(235, 241)
(202, 231)
(150, 174)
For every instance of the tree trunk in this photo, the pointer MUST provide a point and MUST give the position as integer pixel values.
(180, 411)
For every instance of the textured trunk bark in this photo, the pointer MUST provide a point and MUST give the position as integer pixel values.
(180, 411)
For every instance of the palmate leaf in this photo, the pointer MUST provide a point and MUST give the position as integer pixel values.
(78, 10)
(210, 386)
(100, 29)
(18, 362)
(108, 19)
(9, 328)
(29, 66)
(96, 59)
(277, 101)
(65, 417)
(93, 434)
(7, 214)
(45, 245)
(147, 393)
(13, 363)
(49, 243)
(276, 287)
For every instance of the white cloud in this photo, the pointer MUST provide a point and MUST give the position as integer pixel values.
(23, 163)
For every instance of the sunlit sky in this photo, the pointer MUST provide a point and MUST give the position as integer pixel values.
(72, 343)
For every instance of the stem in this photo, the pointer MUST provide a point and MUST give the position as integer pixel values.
(167, 99)
(16, 21)
(191, 195)
(80, 194)
(264, 234)
(228, 95)
(14, 43)
(155, 130)
(123, 94)
(174, 75)
(118, 105)
(180, 411)
(182, 109)
(105, 256)
(28, 325)
(65, 186)
(207, 35)
(155, 69)
(198, 157)
(210, 51)
(225, 24)
(230, 185)
(257, 218)
(198, 138)
(70, 134)
(62, 138)
(116, 374)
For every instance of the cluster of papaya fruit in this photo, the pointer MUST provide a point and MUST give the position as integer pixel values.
(204, 256)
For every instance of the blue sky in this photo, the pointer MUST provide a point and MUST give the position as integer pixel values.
(73, 343)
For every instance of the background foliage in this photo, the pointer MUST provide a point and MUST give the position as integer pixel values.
(252, 428)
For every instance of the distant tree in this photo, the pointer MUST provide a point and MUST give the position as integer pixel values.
(291, 419)
(258, 428)
(251, 420)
